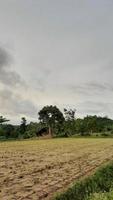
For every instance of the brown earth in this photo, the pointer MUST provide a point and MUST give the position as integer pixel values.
(37, 169)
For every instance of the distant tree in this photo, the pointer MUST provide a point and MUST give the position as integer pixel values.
(80, 127)
(23, 125)
(51, 116)
(69, 125)
(3, 120)
(93, 124)
(9, 131)
(90, 123)
(69, 114)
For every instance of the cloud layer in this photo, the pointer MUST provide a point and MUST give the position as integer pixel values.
(12, 90)
(56, 52)
(7, 76)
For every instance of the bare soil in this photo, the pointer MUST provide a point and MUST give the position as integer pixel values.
(37, 169)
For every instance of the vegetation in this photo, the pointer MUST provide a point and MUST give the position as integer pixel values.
(58, 124)
(52, 117)
(101, 181)
(2, 120)
(102, 196)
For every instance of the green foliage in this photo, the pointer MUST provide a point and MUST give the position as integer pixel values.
(33, 127)
(69, 124)
(23, 126)
(31, 130)
(101, 181)
(102, 196)
(69, 128)
(2, 133)
(28, 134)
(51, 116)
(93, 124)
(2, 120)
(59, 125)
(87, 126)
(8, 131)
(80, 126)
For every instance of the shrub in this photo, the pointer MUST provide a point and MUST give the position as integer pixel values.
(29, 134)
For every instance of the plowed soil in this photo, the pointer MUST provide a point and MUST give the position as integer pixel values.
(37, 169)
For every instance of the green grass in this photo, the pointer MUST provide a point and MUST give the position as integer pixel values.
(100, 182)
(102, 196)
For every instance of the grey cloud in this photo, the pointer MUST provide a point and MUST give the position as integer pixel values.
(92, 107)
(41, 82)
(15, 105)
(5, 59)
(101, 87)
(109, 65)
(71, 38)
(7, 76)
(91, 87)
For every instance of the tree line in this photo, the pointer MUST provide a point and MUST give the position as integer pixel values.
(57, 124)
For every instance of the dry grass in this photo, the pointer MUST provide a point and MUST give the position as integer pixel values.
(36, 169)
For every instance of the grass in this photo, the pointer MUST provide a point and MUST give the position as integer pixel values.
(102, 196)
(101, 181)
(37, 169)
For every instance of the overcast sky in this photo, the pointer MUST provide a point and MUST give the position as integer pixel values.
(57, 52)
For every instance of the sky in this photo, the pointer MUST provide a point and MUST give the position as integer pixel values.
(56, 52)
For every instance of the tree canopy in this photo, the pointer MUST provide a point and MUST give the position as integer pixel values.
(23, 125)
(51, 116)
(3, 120)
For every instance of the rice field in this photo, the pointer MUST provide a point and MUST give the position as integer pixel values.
(37, 169)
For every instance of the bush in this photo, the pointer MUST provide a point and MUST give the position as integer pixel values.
(29, 134)
(63, 135)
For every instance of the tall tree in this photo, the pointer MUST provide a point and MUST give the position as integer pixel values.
(69, 125)
(51, 116)
(3, 120)
(23, 125)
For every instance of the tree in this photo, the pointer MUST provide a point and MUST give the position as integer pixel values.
(9, 131)
(69, 125)
(90, 123)
(51, 116)
(69, 114)
(23, 125)
(3, 120)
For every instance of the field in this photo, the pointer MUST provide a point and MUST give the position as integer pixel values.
(37, 169)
